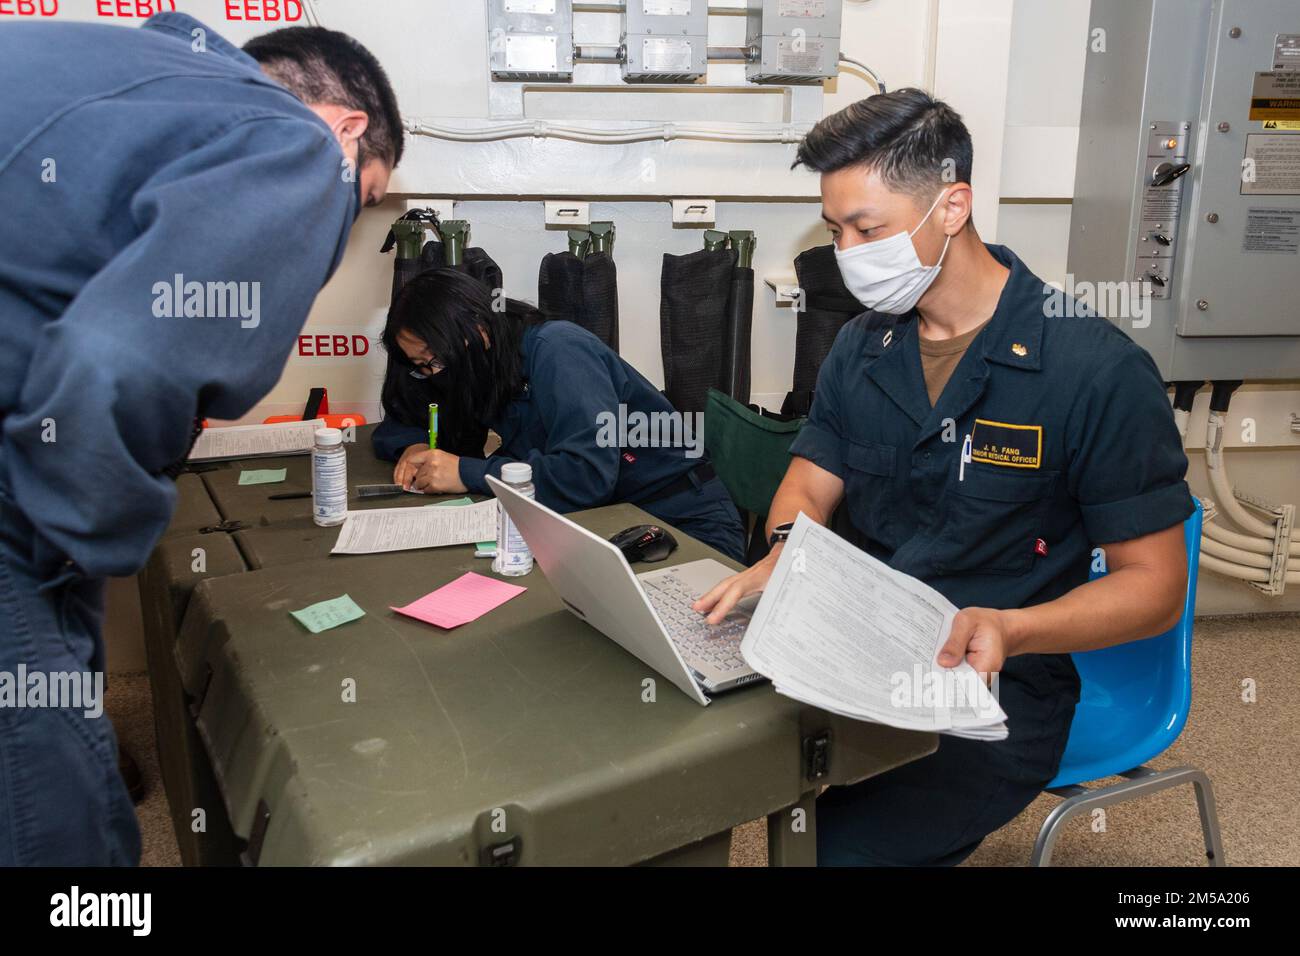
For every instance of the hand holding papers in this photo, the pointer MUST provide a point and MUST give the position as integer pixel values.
(840, 630)
(402, 529)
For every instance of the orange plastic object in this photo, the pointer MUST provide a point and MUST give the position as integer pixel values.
(332, 420)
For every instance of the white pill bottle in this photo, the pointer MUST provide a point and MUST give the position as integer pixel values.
(514, 558)
(329, 478)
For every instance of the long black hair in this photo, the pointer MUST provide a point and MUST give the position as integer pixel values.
(452, 313)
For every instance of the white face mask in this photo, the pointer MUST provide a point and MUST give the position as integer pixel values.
(887, 275)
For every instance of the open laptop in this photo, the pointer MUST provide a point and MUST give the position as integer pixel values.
(649, 615)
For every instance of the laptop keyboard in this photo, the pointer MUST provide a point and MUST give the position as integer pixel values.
(696, 639)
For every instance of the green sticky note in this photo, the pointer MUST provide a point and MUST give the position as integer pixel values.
(328, 614)
(264, 476)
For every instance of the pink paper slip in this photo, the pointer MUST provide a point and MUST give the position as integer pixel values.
(467, 598)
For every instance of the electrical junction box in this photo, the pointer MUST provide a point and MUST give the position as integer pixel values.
(1186, 218)
(665, 41)
(793, 41)
(530, 40)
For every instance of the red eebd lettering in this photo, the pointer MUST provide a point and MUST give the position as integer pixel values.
(268, 11)
(133, 9)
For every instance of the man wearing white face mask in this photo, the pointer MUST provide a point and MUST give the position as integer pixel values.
(982, 442)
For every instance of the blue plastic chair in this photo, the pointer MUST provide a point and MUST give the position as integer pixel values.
(1132, 705)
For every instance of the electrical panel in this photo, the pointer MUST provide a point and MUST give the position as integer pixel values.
(793, 41)
(531, 40)
(1187, 190)
(665, 41)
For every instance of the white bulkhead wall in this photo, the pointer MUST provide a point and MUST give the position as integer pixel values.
(435, 51)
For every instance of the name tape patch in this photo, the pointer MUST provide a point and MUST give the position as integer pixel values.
(1012, 446)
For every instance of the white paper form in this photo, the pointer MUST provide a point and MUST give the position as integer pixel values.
(840, 630)
(403, 529)
(256, 441)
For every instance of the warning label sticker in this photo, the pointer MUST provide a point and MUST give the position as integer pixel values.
(1272, 165)
(1276, 96)
(1274, 231)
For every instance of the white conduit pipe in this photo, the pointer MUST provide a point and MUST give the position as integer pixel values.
(1245, 541)
(1210, 563)
(1223, 495)
(1235, 555)
(1246, 558)
(544, 129)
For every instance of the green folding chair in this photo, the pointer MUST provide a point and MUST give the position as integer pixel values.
(750, 452)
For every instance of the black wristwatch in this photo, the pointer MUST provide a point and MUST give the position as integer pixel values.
(779, 534)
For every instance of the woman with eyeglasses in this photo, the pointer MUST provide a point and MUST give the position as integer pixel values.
(551, 391)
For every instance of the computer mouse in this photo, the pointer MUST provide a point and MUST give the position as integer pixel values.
(644, 542)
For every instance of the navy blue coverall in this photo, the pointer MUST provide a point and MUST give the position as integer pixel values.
(1073, 445)
(575, 384)
(135, 162)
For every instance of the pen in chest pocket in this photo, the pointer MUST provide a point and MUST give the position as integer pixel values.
(965, 457)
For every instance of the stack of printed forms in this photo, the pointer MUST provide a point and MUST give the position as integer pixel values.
(841, 631)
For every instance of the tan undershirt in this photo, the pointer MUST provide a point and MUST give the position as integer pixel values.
(940, 357)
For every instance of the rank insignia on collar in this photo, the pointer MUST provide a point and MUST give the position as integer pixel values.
(1019, 349)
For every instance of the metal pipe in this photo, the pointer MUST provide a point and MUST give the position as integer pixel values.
(591, 53)
(743, 53)
(617, 6)
(875, 77)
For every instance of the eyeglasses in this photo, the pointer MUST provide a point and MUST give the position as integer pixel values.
(422, 370)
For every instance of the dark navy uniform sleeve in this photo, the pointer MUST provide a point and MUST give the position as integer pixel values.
(392, 437)
(120, 380)
(821, 439)
(571, 386)
(1128, 467)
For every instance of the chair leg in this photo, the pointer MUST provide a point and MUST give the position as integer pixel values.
(1142, 781)
(1047, 834)
(1209, 818)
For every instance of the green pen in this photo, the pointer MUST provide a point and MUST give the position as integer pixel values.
(433, 424)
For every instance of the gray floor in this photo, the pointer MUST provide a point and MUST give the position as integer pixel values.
(1250, 750)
